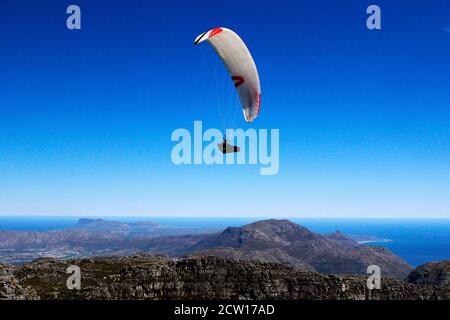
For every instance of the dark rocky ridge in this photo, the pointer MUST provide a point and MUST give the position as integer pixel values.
(157, 277)
(10, 288)
(433, 273)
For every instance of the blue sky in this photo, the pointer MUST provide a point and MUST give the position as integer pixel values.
(86, 116)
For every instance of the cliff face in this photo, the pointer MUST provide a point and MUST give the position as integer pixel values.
(152, 277)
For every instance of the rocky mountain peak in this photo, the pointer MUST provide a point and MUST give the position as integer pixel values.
(278, 231)
(433, 273)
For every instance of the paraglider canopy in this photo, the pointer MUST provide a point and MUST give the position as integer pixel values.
(240, 65)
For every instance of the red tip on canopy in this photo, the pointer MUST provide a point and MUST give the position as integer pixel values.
(214, 32)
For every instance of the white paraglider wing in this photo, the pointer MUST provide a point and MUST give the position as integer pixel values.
(239, 63)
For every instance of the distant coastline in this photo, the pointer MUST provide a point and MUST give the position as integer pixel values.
(366, 239)
(375, 241)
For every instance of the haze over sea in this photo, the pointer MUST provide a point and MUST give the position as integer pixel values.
(415, 240)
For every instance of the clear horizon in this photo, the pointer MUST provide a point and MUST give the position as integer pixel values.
(222, 217)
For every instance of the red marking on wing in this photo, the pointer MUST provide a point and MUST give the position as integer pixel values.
(214, 32)
(238, 80)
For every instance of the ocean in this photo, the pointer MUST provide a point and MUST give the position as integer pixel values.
(417, 241)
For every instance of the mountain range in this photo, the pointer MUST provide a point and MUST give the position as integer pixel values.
(274, 241)
(282, 241)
